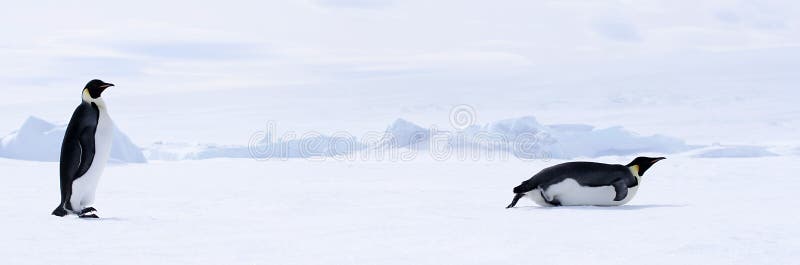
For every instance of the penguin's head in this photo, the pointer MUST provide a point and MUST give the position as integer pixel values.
(644, 163)
(95, 88)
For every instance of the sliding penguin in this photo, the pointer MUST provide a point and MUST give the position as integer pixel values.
(84, 152)
(585, 183)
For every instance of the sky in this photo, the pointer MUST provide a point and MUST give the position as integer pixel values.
(418, 52)
(219, 45)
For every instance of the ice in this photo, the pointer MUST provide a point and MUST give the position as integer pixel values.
(523, 137)
(40, 140)
(173, 151)
(612, 141)
(403, 133)
(512, 128)
(583, 140)
(734, 151)
(309, 146)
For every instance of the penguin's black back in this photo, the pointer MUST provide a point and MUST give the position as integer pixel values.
(78, 147)
(588, 174)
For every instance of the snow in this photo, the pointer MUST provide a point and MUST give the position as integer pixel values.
(40, 140)
(240, 211)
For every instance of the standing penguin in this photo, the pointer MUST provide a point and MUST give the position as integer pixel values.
(585, 183)
(84, 152)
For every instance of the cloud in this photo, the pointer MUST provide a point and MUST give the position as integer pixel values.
(192, 50)
(97, 67)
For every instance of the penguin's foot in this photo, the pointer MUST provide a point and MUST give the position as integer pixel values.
(89, 215)
(60, 212)
(88, 210)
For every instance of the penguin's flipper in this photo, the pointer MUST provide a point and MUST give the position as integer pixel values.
(87, 152)
(77, 149)
(552, 200)
(621, 188)
(515, 200)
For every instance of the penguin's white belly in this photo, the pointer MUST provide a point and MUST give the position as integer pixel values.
(83, 188)
(570, 193)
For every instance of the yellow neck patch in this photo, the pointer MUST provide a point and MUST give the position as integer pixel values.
(88, 98)
(635, 171)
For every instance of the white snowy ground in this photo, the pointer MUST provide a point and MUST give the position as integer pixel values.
(240, 211)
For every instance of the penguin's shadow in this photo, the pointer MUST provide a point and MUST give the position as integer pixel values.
(609, 208)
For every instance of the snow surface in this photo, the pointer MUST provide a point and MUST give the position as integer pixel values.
(239, 211)
(40, 140)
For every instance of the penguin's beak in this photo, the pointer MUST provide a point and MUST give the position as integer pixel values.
(107, 85)
(658, 159)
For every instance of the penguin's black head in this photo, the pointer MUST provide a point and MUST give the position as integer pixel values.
(96, 87)
(644, 163)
